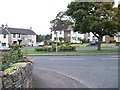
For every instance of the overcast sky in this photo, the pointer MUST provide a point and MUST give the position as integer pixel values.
(31, 13)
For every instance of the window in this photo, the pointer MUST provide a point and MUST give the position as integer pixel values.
(56, 38)
(54, 32)
(3, 44)
(19, 35)
(14, 35)
(60, 32)
(4, 36)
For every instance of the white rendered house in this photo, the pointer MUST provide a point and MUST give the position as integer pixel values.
(17, 36)
(3, 37)
(67, 33)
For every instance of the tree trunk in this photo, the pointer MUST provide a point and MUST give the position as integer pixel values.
(99, 42)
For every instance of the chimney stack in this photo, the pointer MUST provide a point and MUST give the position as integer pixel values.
(30, 28)
(6, 25)
(2, 26)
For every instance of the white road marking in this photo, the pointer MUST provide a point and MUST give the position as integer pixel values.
(114, 56)
(109, 58)
(65, 75)
(66, 59)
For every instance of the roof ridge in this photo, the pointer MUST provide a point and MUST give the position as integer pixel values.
(19, 28)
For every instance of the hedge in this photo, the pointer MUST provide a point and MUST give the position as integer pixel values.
(52, 49)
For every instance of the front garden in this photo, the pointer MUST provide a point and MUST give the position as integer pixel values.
(10, 57)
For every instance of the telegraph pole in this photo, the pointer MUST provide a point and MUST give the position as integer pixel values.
(56, 43)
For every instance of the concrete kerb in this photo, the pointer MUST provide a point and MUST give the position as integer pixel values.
(81, 54)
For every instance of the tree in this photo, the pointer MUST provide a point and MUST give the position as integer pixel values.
(99, 18)
(48, 37)
(61, 19)
(40, 38)
(61, 39)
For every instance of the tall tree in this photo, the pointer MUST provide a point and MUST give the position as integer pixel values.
(40, 38)
(48, 37)
(61, 19)
(99, 18)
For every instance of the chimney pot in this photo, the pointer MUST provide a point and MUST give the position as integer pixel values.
(2, 25)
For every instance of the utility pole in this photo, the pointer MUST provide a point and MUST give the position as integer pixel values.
(56, 43)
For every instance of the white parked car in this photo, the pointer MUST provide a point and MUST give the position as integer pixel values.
(41, 44)
(4, 48)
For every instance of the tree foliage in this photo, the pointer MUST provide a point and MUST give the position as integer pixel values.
(40, 38)
(61, 19)
(99, 18)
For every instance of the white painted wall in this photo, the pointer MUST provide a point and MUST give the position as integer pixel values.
(117, 38)
(58, 35)
(75, 36)
(26, 39)
(4, 40)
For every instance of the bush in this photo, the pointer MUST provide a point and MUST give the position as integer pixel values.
(12, 69)
(112, 41)
(60, 48)
(67, 43)
(67, 48)
(47, 49)
(11, 57)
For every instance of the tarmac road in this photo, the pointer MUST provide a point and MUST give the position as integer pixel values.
(93, 71)
(43, 78)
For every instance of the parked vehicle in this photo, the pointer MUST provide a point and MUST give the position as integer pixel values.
(93, 42)
(4, 48)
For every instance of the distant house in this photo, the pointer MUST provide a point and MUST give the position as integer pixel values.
(117, 37)
(90, 37)
(17, 36)
(3, 37)
(67, 33)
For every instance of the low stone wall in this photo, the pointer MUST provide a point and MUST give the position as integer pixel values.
(17, 79)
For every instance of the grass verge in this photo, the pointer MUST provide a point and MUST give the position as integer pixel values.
(72, 52)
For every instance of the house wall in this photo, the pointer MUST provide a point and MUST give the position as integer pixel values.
(75, 37)
(68, 35)
(3, 40)
(26, 39)
(59, 34)
(116, 37)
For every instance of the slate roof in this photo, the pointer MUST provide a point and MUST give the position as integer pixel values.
(21, 31)
(3, 31)
(60, 27)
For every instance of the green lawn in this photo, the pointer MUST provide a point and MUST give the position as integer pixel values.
(86, 44)
(72, 52)
(104, 45)
(80, 45)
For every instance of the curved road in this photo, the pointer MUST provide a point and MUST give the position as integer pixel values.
(93, 71)
(43, 78)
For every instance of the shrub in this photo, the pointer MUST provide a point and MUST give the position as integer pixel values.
(66, 48)
(67, 43)
(112, 41)
(12, 69)
(47, 49)
(10, 57)
(60, 48)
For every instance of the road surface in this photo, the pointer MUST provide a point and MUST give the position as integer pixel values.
(93, 71)
(43, 78)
